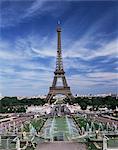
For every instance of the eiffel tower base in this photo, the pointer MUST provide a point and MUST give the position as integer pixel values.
(59, 90)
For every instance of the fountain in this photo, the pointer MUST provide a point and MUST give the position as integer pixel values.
(96, 134)
(9, 127)
(22, 128)
(92, 126)
(14, 125)
(30, 126)
(87, 126)
(16, 131)
(45, 133)
(0, 140)
(83, 130)
(5, 128)
(32, 130)
(90, 131)
(52, 129)
(7, 143)
(107, 126)
(18, 144)
(46, 129)
(100, 128)
(69, 126)
(114, 127)
(59, 110)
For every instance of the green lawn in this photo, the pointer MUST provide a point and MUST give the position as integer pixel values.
(37, 124)
(91, 146)
(83, 121)
(113, 142)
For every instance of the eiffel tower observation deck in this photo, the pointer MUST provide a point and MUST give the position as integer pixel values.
(59, 73)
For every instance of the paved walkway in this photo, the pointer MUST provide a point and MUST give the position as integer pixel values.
(61, 146)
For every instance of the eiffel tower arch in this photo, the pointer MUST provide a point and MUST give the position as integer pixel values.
(59, 73)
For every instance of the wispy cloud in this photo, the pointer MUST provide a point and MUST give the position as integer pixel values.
(27, 69)
(103, 76)
(80, 50)
(99, 82)
(39, 7)
(14, 12)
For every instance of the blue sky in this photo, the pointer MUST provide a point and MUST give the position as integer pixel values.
(28, 45)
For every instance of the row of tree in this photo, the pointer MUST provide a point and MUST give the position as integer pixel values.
(95, 102)
(12, 104)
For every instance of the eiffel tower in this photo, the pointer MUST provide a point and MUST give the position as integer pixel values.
(59, 73)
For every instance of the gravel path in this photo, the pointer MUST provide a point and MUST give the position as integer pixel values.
(61, 146)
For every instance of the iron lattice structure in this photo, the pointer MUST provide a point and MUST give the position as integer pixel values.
(59, 74)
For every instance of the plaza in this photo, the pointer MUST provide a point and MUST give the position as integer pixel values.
(58, 130)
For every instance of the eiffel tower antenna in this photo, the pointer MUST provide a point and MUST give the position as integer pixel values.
(59, 73)
(58, 22)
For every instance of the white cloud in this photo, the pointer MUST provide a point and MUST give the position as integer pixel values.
(97, 79)
(79, 50)
(102, 76)
(109, 49)
(16, 13)
(30, 82)
(38, 7)
(13, 14)
(25, 50)
(9, 52)
(34, 7)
